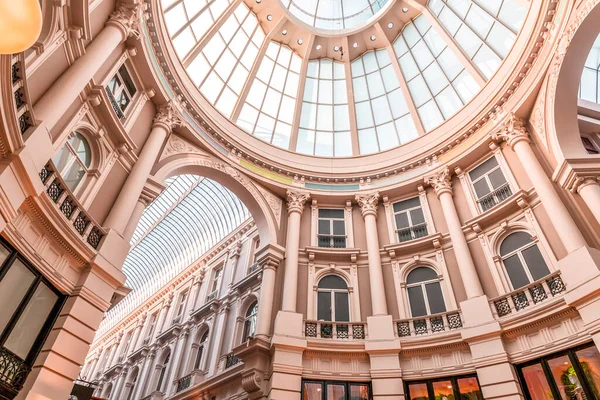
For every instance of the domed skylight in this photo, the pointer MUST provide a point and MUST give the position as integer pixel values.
(378, 100)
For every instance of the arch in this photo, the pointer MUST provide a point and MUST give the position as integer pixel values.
(424, 291)
(259, 207)
(564, 78)
(522, 259)
(507, 229)
(337, 272)
(250, 319)
(90, 133)
(407, 268)
(333, 299)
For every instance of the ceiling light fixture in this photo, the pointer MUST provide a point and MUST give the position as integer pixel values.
(336, 48)
(390, 25)
(300, 41)
(319, 47)
(269, 17)
(284, 32)
(372, 38)
(355, 45)
(404, 9)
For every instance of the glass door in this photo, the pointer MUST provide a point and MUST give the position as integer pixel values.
(452, 388)
(333, 390)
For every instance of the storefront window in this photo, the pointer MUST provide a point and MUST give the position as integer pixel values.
(443, 390)
(536, 381)
(589, 358)
(454, 388)
(328, 390)
(359, 392)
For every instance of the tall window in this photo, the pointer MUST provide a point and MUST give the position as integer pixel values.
(424, 292)
(216, 280)
(489, 184)
(332, 299)
(250, 322)
(127, 344)
(589, 145)
(180, 307)
(151, 327)
(133, 383)
(162, 372)
(73, 160)
(589, 89)
(120, 90)
(331, 228)
(201, 347)
(522, 259)
(409, 218)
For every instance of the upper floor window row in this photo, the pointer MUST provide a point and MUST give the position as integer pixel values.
(120, 91)
(409, 220)
(331, 228)
(489, 184)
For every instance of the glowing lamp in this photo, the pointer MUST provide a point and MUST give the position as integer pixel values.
(20, 25)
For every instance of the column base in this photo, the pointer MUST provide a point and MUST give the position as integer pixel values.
(288, 347)
(380, 327)
(386, 375)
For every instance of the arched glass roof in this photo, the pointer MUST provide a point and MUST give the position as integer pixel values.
(590, 79)
(187, 219)
(378, 100)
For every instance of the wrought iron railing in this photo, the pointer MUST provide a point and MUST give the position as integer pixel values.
(429, 324)
(58, 192)
(22, 105)
(412, 232)
(13, 371)
(232, 360)
(114, 104)
(184, 383)
(532, 294)
(335, 330)
(332, 241)
(495, 197)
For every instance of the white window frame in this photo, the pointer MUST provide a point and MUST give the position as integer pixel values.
(181, 305)
(534, 242)
(75, 159)
(215, 282)
(120, 90)
(332, 295)
(422, 285)
(348, 226)
(247, 318)
(593, 141)
(388, 206)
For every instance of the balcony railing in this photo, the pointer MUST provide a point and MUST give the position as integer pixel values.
(495, 197)
(429, 324)
(232, 360)
(253, 268)
(332, 241)
(411, 233)
(531, 294)
(114, 104)
(335, 330)
(59, 193)
(22, 105)
(13, 372)
(184, 383)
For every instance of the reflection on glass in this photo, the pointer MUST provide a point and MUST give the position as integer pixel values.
(312, 391)
(418, 391)
(566, 379)
(590, 364)
(469, 389)
(336, 392)
(359, 392)
(442, 390)
(536, 382)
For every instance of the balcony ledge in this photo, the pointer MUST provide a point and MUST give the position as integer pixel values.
(426, 242)
(249, 280)
(139, 353)
(172, 331)
(206, 309)
(517, 201)
(332, 253)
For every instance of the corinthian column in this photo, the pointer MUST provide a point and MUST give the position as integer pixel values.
(295, 205)
(368, 207)
(589, 190)
(122, 23)
(515, 134)
(440, 182)
(165, 120)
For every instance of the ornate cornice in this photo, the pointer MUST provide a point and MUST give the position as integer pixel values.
(440, 181)
(513, 130)
(128, 18)
(368, 203)
(167, 116)
(296, 201)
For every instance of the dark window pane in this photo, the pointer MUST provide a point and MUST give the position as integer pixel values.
(435, 297)
(342, 310)
(418, 391)
(483, 168)
(497, 178)
(324, 226)
(332, 282)
(567, 381)
(359, 392)
(324, 306)
(329, 213)
(417, 216)
(13, 287)
(481, 188)
(535, 262)
(469, 389)
(421, 274)
(336, 392)
(406, 204)
(339, 228)
(417, 301)
(401, 221)
(515, 271)
(589, 359)
(443, 390)
(313, 391)
(127, 80)
(514, 241)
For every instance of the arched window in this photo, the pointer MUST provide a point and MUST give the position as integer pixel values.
(250, 322)
(201, 350)
(163, 371)
(107, 391)
(522, 259)
(332, 299)
(132, 387)
(73, 160)
(424, 292)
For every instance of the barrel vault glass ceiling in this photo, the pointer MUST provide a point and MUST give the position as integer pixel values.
(381, 99)
(187, 219)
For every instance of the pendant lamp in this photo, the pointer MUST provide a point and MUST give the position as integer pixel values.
(20, 25)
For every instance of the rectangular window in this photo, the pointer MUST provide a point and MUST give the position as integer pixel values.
(331, 228)
(456, 387)
(409, 219)
(180, 307)
(589, 145)
(120, 91)
(329, 390)
(214, 289)
(489, 184)
(151, 327)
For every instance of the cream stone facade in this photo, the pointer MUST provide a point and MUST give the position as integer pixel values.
(423, 234)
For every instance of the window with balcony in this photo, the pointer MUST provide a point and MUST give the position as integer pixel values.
(214, 286)
(180, 307)
(73, 160)
(489, 184)
(201, 346)
(424, 290)
(522, 259)
(128, 338)
(151, 328)
(409, 219)
(120, 91)
(331, 228)
(333, 299)
(250, 322)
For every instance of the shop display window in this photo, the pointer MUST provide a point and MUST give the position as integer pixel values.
(333, 390)
(452, 388)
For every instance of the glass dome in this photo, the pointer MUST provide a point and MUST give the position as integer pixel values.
(396, 83)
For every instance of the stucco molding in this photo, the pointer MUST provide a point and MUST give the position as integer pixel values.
(296, 200)
(167, 116)
(512, 131)
(127, 17)
(368, 203)
(440, 181)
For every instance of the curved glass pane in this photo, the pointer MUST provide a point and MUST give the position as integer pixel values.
(82, 148)
(332, 282)
(514, 241)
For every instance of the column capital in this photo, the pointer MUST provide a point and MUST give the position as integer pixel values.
(440, 181)
(167, 116)
(296, 201)
(368, 203)
(579, 182)
(513, 130)
(128, 18)
(270, 256)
